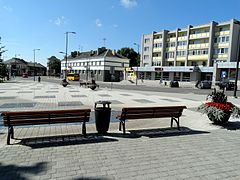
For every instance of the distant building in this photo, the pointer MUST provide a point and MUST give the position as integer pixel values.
(102, 65)
(17, 67)
(201, 52)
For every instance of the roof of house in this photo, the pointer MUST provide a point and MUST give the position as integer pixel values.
(18, 60)
(15, 60)
(100, 52)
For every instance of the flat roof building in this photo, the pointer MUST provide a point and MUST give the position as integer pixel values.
(191, 53)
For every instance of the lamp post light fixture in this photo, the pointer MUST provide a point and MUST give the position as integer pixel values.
(65, 76)
(137, 58)
(237, 64)
(34, 71)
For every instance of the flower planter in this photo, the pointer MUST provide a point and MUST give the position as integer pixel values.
(220, 121)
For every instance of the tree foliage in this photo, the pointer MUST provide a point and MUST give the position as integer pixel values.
(54, 65)
(130, 54)
(3, 70)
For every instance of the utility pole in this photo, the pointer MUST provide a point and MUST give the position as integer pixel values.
(138, 46)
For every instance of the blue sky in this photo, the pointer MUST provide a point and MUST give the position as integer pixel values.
(29, 24)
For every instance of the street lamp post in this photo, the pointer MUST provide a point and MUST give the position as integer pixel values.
(237, 64)
(137, 64)
(34, 71)
(65, 77)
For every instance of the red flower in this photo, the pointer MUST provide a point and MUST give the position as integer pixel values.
(223, 106)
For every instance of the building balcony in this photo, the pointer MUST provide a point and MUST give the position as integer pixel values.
(222, 33)
(182, 48)
(157, 40)
(181, 58)
(198, 46)
(157, 58)
(183, 38)
(198, 57)
(171, 39)
(220, 56)
(170, 59)
(221, 45)
(157, 49)
(199, 36)
(170, 49)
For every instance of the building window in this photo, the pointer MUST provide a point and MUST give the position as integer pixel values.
(169, 55)
(147, 40)
(182, 43)
(165, 76)
(197, 52)
(181, 53)
(156, 63)
(146, 57)
(170, 44)
(182, 34)
(221, 51)
(146, 48)
(186, 76)
(221, 39)
(157, 45)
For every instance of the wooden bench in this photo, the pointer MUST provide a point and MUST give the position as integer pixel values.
(22, 118)
(174, 112)
(89, 84)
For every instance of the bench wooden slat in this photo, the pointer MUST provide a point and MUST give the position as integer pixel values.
(22, 118)
(35, 121)
(174, 112)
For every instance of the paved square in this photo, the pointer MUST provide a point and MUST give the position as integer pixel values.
(149, 149)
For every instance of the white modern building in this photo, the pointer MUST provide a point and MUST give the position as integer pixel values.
(102, 65)
(202, 52)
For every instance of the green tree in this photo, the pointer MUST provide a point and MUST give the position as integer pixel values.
(130, 54)
(3, 70)
(54, 65)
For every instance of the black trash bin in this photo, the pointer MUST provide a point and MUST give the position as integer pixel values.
(174, 84)
(102, 116)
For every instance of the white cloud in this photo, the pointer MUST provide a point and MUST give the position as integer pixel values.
(98, 23)
(59, 21)
(128, 3)
(8, 8)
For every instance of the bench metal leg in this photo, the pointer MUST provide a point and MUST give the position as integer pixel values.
(84, 129)
(177, 122)
(120, 126)
(10, 134)
(124, 129)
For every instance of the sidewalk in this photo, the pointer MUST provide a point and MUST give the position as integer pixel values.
(150, 150)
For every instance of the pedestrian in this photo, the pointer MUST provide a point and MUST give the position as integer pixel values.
(160, 81)
(142, 78)
(39, 79)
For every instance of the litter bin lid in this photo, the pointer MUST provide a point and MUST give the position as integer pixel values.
(104, 103)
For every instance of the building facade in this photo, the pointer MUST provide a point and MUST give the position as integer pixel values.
(201, 52)
(102, 65)
(17, 66)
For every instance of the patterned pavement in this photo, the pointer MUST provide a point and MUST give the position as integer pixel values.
(150, 149)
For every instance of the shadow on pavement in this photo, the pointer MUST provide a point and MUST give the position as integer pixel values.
(232, 125)
(159, 132)
(89, 178)
(17, 172)
(166, 132)
(63, 140)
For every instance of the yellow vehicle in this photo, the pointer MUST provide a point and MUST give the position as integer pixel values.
(73, 77)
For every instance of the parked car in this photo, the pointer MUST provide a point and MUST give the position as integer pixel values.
(204, 84)
(226, 83)
(25, 75)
